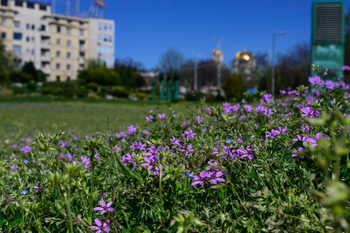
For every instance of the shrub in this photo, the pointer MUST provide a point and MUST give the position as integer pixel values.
(234, 87)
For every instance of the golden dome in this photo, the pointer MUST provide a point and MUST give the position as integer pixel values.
(244, 55)
(217, 52)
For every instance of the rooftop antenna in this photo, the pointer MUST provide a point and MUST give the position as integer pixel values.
(218, 40)
(66, 7)
(76, 8)
(96, 9)
(53, 6)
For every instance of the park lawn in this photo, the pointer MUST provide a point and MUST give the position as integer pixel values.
(74, 117)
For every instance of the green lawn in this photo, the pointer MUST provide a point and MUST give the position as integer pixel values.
(81, 118)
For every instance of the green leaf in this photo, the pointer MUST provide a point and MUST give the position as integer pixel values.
(2, 220)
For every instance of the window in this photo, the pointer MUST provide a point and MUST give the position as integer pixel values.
(68, 67)
(43, 28)
(68, 55)
(17, 49)
(27, 26)
(58, 53)
(3, 21)
(58, 66)
(28, 52)
(58, 41)
(58, 78)
(33, 27)
(58, 29)
(42, 7)
(33, 38)
(81, 32)
(17, 24)
(17, 36)
(69, 31)
(33, 52)
(30, 5)
(68, 78)
(69, 43)
(4, 2)
(27, 39)
(3, 35)
(18, 3)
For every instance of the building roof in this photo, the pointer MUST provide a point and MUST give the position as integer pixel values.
(244, 55)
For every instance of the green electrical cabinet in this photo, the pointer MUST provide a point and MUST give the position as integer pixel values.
(327, 37)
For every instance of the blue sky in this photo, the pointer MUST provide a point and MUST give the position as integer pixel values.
(147, 28)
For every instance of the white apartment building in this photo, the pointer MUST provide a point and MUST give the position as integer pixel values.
(101, 39)
(59, 45)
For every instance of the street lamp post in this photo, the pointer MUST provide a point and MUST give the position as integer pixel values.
(273, 59)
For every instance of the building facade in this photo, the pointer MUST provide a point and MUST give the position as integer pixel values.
(59, 45)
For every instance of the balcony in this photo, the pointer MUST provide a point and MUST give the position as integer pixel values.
(45, 57)
(45, 34)
(45, 45)
(46, 70)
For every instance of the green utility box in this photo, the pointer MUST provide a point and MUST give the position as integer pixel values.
(327, 38)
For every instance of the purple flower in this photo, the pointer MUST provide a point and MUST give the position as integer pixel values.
(185, 123)
(28, 140)
(161, 116)
(128, 159)
(306, 139)
(85, 161)
(329, 84)
(189, 134)
(100, 227)
(131, 129)
(264, 111)
(248, 108)
(120, 135)
(309, 112)
(63, 144)
(217, 177)
(26, 149)
(104, 207)
(316, 80)
(346, 67)
(146, 132)
(96, 156)
(199, 120)
(212, 176)
(201, 178)
(266, 98)
(295, 152)
(188, 150)
(149, 118)
(305, 128)
(175, 141)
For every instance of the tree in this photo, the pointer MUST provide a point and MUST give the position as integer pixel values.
(234, 87)
(36, 75)
(293, 68)
(129, 72)
(171, 62)
(6, 64)
(99, 74)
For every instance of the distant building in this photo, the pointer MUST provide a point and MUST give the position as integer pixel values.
(217, 56)
(57, 44)
(244, 63)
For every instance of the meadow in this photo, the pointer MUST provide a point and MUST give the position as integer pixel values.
(27, 116)
(262, 165)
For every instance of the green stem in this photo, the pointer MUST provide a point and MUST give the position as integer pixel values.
(69, 211)
(92, 183)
